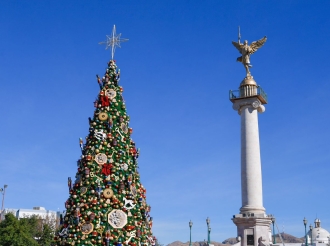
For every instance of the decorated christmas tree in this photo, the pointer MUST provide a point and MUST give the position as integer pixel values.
(107, 202)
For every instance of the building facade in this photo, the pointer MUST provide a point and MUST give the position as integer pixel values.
(40, 212)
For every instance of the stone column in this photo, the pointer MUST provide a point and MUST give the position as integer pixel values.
(252, 223)
(251, 179)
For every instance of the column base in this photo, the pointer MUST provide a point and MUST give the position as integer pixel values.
(253, 230)
(252, 209)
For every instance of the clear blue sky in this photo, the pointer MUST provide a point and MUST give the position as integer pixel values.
(177, 69)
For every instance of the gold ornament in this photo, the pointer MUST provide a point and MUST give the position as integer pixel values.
(103, 116)
(83, 190)
(107, 193)
(87, 228)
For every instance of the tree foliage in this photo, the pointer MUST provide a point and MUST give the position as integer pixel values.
(30, 231)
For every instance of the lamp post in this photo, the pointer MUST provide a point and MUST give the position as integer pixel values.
(305, 223)
(208, 230)
(190, 225)
(273, 221)
(3, 191)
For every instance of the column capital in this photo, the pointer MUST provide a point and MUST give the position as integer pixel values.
(251, 102)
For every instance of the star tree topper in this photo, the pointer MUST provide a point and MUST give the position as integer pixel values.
(113, 41)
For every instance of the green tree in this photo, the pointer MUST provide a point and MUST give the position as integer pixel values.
(45, 230)
(107, 202)
(27, 231)
(14, 232)
(46, 236)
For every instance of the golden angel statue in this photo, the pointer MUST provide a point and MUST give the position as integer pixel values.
(247, 50)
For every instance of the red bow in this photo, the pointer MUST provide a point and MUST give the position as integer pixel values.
(106, 169)
(104, 101)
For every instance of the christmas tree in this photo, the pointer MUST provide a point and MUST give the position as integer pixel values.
(107, 202)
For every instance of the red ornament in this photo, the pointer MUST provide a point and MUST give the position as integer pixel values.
(130, 227)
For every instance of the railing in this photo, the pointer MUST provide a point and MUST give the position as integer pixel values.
(248, 92)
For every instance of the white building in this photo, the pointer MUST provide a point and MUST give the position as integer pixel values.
(40, 212)
(317, 235)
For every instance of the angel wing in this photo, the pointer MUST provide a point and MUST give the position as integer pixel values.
(257, 44)
(238, 46)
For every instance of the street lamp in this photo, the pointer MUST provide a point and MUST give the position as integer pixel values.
(273, 221)
(305, 223)
(209, 238)
(190, 225)
(3, 191)
(208, 230)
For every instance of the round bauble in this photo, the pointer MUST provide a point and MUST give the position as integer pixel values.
(103, 116)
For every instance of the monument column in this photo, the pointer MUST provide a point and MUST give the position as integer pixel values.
(253, 225)
(251, 180)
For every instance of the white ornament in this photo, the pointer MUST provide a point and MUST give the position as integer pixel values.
(64, 232)
(100, 135)
(122, 137)
(151, 240)
(111, 93)
(130, 203)
(124, 166)
(117, 218)
(101, 158)
(131, 234)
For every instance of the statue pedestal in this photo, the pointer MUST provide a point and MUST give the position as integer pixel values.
(253, 229)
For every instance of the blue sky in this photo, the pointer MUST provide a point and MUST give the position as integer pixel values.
(176, 71)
